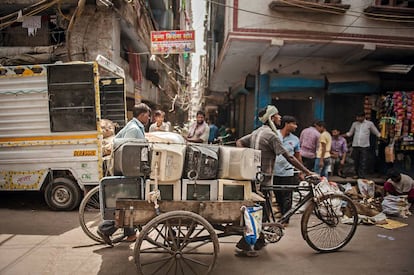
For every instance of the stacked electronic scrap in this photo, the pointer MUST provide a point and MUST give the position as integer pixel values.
(214, 172)
(200, 172)
(237, 168)
(131, 164)
(167, 163)
(180, 171)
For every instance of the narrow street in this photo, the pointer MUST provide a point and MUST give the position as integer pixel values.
(34, 240)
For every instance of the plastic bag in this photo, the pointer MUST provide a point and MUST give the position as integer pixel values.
(396, 206)
(253, 223)
(296, 196)
(366, 188)
(325, 187)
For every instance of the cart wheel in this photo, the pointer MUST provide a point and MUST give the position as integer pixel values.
(176, 242)
(90, 215)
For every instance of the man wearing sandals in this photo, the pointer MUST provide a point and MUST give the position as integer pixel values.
(267, 141)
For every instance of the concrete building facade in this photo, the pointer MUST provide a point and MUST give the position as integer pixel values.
(49, 31)
(312, 59)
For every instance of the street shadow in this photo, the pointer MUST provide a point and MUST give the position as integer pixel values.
(22, 200)
(26, 213)
(117, 260)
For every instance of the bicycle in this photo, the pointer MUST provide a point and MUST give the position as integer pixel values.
(328, 222)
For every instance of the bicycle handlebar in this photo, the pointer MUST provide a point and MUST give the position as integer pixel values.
(312, 178)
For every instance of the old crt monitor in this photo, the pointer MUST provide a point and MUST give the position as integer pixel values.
(238, 163)
(201, 162)
(167, 161)
(131, 157)
(170, 190)
(165, 137)
(113, 188)
(235, 190)
(200, 190)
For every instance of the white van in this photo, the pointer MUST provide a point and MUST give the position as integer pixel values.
(50, 134)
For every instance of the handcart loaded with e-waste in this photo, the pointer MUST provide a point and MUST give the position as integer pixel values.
(183, 197)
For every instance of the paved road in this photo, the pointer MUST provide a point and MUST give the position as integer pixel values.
(34, 240)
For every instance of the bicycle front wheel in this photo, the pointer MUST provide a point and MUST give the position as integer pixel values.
(329, 223)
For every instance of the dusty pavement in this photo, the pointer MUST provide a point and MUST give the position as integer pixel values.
(34, 240)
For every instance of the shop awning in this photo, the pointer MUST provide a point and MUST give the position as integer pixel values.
(280, 83)
(353, 83)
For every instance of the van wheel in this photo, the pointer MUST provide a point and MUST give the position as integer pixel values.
(62, 194)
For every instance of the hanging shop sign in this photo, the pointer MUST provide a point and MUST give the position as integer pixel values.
(172, 42)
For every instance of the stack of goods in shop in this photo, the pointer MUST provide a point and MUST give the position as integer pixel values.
(386, 117)
(367, 107)
(403, 104)
(396, 119)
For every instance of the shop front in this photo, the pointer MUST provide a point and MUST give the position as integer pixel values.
(396, 124)
(297, 95)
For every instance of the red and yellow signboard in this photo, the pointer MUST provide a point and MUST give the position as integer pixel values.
(172, 42)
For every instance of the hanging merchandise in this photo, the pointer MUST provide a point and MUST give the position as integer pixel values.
(398, 105)
(403, 105)
(385, 107)
(389, 152)
(387, 127)
(396, 124)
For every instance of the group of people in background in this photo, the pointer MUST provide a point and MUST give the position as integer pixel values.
(199, 131)
(325, 152)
